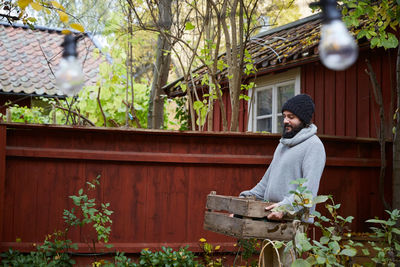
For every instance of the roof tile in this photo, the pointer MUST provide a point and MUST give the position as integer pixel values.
(26, 57)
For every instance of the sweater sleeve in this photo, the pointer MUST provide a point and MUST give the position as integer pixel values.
(259, 190)
(312, 167)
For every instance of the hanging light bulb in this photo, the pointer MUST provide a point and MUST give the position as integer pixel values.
(69, 77)
(337, 47)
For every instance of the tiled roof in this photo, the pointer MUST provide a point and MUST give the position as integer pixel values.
(281, 47)
(28, 57)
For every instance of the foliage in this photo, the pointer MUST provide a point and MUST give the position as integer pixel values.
(208, 254)
(389, 232)
(56, 246)
(330, 249)
(167, 257)
(51, 253)
(303, 200)
(91, 14)
(17, 10)
(380, 19)
(100, 218)
(250, 248)
(181, 114)
(27, 115)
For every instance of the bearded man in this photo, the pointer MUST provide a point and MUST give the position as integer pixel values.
(300, 154)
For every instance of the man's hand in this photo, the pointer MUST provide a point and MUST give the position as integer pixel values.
(274, 215)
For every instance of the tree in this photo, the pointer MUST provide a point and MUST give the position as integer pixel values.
(93, 15)
(18, 10)
(161, 66)
(382, 24)
(202, 31)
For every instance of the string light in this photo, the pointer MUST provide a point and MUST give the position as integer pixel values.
(337, 48)
(69, 77)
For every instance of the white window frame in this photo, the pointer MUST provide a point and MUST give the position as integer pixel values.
(272, 81)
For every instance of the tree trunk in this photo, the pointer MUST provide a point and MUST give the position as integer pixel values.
(396, 140)
(377, 90)
(161, 69)
(237, 70)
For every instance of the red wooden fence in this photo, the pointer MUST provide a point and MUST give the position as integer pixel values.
(156, 181)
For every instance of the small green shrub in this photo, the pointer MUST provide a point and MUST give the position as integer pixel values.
(389, 232)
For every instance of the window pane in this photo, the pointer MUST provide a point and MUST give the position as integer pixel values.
(279, 124)
(264, 125)
(284, 93)
(264, 102)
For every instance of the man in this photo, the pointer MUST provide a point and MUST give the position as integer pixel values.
(300, 154)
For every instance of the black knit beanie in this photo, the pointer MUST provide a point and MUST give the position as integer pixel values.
(302, 106)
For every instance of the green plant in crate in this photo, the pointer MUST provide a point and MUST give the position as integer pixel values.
(388, 252)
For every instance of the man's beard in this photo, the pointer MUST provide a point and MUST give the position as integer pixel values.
(293, 132)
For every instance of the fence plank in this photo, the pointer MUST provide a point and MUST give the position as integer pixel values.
(157, 182)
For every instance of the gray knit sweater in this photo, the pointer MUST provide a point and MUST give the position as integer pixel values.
(302, 156)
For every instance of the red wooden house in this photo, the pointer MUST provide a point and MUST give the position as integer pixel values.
(288, 63)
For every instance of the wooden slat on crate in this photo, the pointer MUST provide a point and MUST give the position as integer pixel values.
(247, 228)
(246, 207)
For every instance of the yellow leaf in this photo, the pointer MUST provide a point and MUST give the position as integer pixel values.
(217, 247)
(47, 11)
(36, 6)
(77, 26)
(18, 240)
(63, 16)
(24, 3)
(57, 5)
(202, 240)
(66, 32)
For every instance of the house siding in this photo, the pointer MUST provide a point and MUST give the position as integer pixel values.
(344, 100)
(345, 104)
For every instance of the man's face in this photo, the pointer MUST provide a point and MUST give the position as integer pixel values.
(290, 121)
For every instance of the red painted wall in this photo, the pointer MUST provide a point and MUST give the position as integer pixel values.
(156, 181)
(345, 105)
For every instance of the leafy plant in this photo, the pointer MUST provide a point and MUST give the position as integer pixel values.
(303, 200)
(100, 218)
(168, 257)
(250, 248)
(389, 232)
(53, 252)
(208, 253)
(329, 250)
(27, 115)
(56, 247)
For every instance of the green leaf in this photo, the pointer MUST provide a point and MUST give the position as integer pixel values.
(189, 26)
(320, 199)
(301, 263)
(365, 251)
(396, 231)
(197, 105)
(377, 221)
(351, 252)
(334, 246)
(324, 240)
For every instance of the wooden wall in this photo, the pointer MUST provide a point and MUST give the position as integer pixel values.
(345, 105)
(156, 181)
(344, 100)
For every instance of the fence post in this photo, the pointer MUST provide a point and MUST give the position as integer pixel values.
(3, 136)
(8, 115)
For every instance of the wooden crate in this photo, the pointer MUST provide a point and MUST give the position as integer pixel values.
(250, 220)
